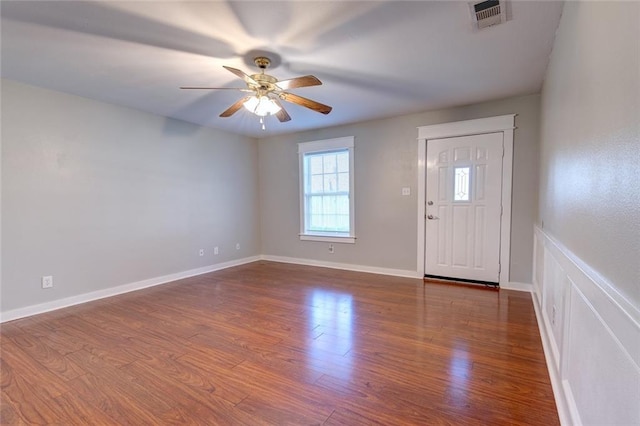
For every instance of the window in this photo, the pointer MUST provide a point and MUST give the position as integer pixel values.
(461, 184)
(326, 190)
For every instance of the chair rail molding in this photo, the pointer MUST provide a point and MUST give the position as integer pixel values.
(591, 338)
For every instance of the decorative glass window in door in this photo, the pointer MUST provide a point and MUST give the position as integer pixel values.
(461, 184)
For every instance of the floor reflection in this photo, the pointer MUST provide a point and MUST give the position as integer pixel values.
(331, 319)
(459, 373)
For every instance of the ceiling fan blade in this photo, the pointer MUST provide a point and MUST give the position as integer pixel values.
(307, 103)
(219, 88)
(282, 114)
(234, 108)
(305, 81)
(242, 75)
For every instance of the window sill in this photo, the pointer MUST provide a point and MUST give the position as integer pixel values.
(328, 238)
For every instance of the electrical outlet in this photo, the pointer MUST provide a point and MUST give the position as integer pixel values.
(201, 253)
(406, 190)
(237, 246)
(215, 250)
(47, 281)
(331, 249)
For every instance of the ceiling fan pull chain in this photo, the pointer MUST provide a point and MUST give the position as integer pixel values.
(262, 122)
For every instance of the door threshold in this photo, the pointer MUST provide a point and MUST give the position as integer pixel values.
(461, 281)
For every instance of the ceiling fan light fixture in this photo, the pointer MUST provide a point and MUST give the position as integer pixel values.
(261, 106)
(266, 92)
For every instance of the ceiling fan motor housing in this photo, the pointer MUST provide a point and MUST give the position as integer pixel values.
(265, 82)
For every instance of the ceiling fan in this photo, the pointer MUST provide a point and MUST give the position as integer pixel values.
(267, 92)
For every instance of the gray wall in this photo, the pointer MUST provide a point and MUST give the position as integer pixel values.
(99, 195)
(386, 154)
(589, 190)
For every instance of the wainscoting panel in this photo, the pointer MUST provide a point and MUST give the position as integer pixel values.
(592, 335)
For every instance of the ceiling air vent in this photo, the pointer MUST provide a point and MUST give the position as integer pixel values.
(487, 13)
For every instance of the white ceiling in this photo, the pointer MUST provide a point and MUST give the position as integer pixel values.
(376, 59)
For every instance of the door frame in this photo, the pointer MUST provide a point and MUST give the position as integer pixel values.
(502, 123)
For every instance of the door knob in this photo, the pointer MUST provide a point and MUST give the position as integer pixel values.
(429, 203)
(432, 217)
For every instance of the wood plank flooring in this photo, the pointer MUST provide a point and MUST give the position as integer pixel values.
(276, 344)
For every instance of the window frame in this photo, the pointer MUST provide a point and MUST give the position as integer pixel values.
(321, 146)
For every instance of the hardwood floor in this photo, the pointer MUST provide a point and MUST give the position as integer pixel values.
(271, 343)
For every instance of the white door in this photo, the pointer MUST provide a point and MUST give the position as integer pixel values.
(464, 205)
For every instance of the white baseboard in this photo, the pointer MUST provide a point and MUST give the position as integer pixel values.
(512, 285)
(591, 338)
(556, 383)
(344, 266)
(376, 270)
(113, 291)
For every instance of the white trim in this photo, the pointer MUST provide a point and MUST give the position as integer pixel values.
(114, 291)
(422, 204)
(564, 414)
(575, 266)
(328, 238)
(467, 127)
(27, 311)
(347, 142)
(572, 410)
(326, 145)
(563, 281)
(616, 312)
(511, 285)
(504, 124)
(505, 220)
(343, 266)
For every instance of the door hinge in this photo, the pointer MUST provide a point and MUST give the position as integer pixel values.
(499, 267)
